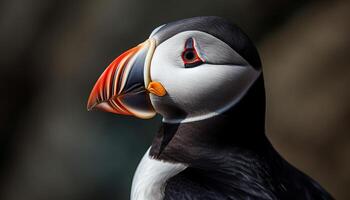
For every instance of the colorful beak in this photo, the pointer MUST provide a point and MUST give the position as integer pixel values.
(121, 89)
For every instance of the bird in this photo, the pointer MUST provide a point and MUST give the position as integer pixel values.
(204, 76)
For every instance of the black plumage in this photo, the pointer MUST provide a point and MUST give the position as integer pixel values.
(229, 155)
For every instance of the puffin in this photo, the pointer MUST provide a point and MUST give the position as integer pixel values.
(203, 75)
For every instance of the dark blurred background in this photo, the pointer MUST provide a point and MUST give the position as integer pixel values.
(52, 52)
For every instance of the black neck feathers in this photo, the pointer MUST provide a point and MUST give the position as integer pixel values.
(230, 157)
(241, 126)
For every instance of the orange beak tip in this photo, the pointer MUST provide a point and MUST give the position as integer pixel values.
(91, 103)
(89, 109)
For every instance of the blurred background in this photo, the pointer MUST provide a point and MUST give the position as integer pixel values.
(52, 52)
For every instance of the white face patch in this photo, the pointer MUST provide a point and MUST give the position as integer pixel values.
(200, 92)
(151, 176)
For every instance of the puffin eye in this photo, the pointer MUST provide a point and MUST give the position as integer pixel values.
(190, 56)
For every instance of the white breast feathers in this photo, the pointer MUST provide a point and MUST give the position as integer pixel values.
(151, 176)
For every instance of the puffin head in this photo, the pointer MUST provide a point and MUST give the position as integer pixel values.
(188, 70)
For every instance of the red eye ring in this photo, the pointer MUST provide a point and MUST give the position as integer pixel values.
(190, 56)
